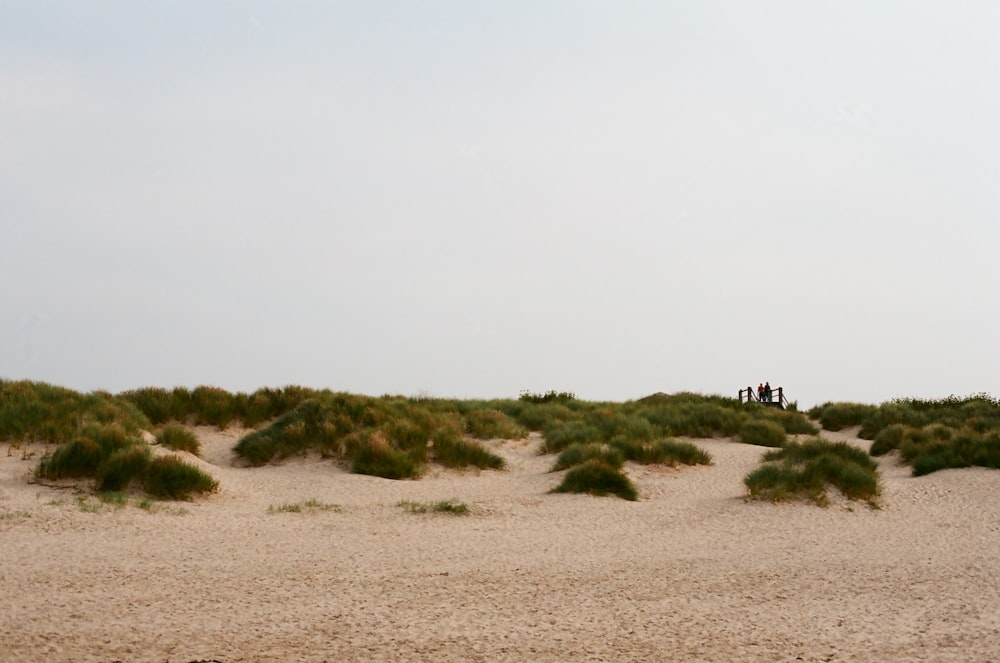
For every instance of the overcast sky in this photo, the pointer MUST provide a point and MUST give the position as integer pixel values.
(471, 199)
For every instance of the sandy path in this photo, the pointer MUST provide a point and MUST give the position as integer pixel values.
(690, 572)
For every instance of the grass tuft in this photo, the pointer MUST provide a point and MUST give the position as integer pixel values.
(171, 478)
(179, 438)
(597, 478)
(804, 470)
(763, 433)
(577, 454)
(443, 506)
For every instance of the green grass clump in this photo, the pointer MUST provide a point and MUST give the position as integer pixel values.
(179, 438)
(763, 433)
(489, 424)
(456, 452)
(597, 478)
(122, 467)
(36, 411)
(936, 447)
(576, 454)
(669, 452)
(979, 413)
(83, 456)
(168, 477)
(888, 439)
(803, 471)
(562, 434)
(381, 460)
(794, 423)
(838, 416)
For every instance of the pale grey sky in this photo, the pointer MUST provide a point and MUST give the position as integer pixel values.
(469, 199)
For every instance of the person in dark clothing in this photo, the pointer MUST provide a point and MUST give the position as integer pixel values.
(767, 392)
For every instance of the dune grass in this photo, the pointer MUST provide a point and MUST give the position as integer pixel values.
(215, 406)
(595, 477)
(805, 470)
(179, 438)
(168, 477)
(979, 413)
(763, 432)
(451, 507)
(937, 447)
(838, 416)
(577, 454)
(389, 437)
(40, 412)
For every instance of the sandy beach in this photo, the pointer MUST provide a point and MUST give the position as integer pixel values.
(690, 572)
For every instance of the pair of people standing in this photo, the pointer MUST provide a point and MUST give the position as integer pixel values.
(764, 392)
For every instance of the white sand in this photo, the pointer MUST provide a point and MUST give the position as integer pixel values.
(690, 572)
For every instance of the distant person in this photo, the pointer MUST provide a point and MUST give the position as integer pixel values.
(767, 392)
(760, 392)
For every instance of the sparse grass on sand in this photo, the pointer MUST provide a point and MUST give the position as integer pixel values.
(298, 507)
(804, 470)
(451, 507)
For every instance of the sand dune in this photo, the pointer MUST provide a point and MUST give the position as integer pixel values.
(690, 572)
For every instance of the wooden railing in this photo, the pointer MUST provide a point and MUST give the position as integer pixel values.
(749, 395)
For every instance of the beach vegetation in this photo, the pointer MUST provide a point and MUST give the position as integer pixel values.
(490, 424)
(450, 506)
(551, 396)
(763, 432)
(122, 467)
(838, 416)
(179, 438)
(576, 454)
(169, 477)
(665, 452)
(804, 470)
(40, 412)
(595, 477)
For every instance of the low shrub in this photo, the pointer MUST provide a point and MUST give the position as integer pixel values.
(596, 478)
(763, 433)
(168, 477)
(179, 438)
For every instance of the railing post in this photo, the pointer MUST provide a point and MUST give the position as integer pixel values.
(781, 398)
